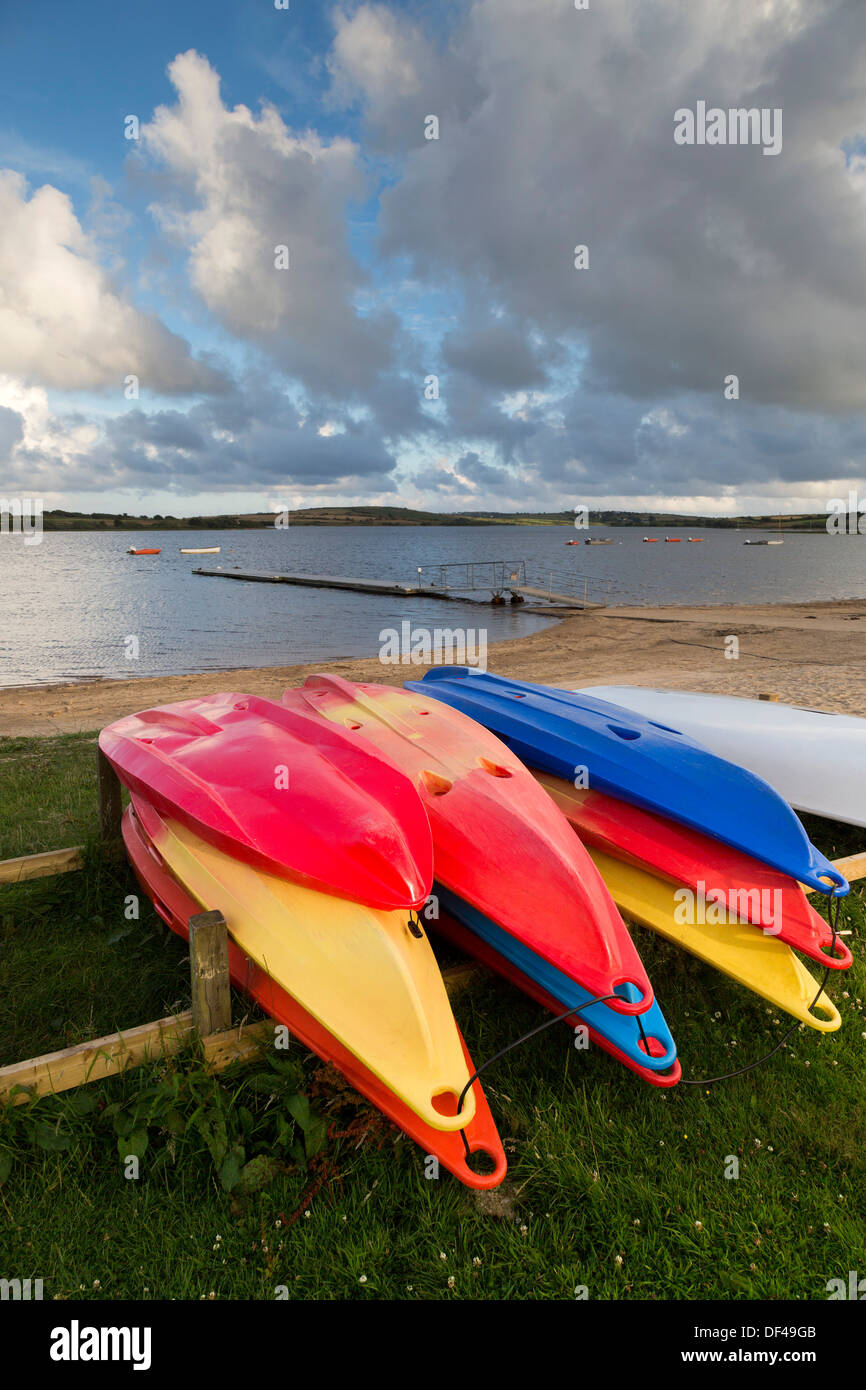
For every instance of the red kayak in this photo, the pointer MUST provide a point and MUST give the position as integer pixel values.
(499, 842)
(131, 551)
(473, 945)
(771, 900)
(175, 907)
(282, 790)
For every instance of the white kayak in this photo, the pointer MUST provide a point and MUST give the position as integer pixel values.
(814, 759)
(200, 550)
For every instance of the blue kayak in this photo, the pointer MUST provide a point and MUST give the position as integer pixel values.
(593, 743)
(622, 1030)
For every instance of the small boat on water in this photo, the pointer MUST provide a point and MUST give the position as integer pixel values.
(695, 540)
(200, 550)
(591, 540)
(672, 540)
(650, 540)
(132, 551)
(763, 542)
(572, 542)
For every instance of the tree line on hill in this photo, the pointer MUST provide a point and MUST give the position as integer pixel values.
(58, 519)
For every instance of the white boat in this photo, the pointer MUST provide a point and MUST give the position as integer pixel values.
(815, 760)
(200, 550)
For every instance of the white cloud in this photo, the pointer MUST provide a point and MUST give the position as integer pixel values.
(243, 186)
(63, 323)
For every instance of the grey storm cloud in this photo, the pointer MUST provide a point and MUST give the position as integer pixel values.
(215, 447)
(702, 261)
(498, 356)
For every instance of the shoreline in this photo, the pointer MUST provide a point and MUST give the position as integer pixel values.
(807, 653)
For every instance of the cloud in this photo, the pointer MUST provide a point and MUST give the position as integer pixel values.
(251, 438)
(496, 355)
(243, 185)
(63, 323)
(559, 132)
(557, 386)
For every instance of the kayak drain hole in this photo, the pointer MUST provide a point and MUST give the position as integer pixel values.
(621, 732)
(445, 1103)
(481, 1162)
(495, 769)
(436, 785)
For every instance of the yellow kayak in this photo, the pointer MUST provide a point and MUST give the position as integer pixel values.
(364, 974)
(739, 949)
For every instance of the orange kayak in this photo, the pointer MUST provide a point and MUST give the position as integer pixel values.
(133, 551)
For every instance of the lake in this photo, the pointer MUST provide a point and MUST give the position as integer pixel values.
(69, 604)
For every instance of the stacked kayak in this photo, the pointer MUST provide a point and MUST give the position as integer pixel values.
(318, 853)
(520, 820)
(652, 765)
(815, 760)
(518, 889)
(688, 844)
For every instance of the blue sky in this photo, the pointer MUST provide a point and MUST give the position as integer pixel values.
(413, 259)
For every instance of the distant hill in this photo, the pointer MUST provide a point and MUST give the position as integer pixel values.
(60, 520)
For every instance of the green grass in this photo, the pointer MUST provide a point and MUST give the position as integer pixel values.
(601, 1165)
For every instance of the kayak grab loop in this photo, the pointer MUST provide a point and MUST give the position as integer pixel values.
(837, 886)
(834, 909)
(414, 925)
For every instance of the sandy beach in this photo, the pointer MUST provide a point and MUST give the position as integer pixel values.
(813, 654)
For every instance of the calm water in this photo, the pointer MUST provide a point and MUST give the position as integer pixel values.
(67, 605)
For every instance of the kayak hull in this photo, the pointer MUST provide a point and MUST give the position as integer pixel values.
(645, 1040)
(176, 907)
(815, 760)
(763, 964)
(366, 975)
(709, 869)
(654, 766)
(499, 843)
(281, 791)
(472, 944)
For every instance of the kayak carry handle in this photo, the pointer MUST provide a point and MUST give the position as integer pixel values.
(831, 882)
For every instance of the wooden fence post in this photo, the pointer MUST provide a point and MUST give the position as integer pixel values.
(209, 973)
(110, 802)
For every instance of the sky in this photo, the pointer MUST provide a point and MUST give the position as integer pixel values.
(255, 257)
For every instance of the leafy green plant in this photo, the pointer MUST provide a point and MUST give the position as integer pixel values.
(252, 1126)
